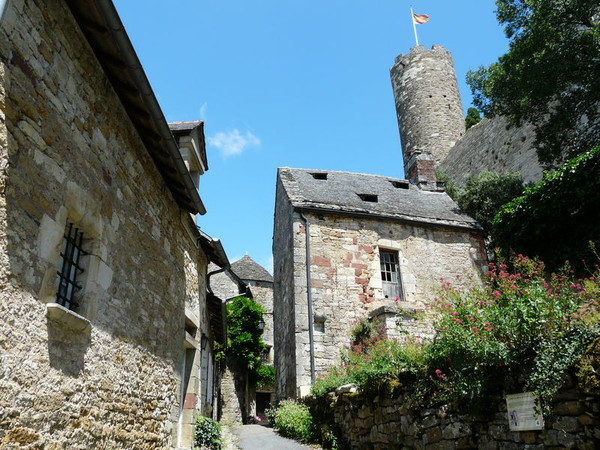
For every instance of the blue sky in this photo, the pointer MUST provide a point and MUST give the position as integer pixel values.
(289, 83)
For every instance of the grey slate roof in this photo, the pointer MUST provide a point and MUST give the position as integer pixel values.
(247, 269)
(396, 198)
(104, 31)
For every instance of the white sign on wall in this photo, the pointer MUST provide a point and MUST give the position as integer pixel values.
(524, 412)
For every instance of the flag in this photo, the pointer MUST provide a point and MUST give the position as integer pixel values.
(420, 18)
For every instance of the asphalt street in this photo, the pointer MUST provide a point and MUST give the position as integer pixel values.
(258, 437)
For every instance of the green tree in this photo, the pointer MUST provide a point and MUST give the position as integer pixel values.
(550, 75)
(556, 218)
(244, 334)
(483, 195)
(473, 117)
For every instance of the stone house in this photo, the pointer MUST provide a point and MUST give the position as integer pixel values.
(106, 334)
(350, 245)
(239, 399)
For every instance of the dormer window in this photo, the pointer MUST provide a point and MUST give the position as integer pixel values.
(400, 184)
(319, 175)
(368, 198)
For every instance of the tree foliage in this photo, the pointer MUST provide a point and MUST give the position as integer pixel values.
(244, 335)
(473, 118)
(550, 75)
(483, 195)
(558, 217)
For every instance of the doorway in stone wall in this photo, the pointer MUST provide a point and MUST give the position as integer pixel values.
(263, 402)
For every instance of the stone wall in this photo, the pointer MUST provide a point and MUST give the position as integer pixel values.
(346, 279)
(69, 153)
(286, 278)
(381, 422)
(492, 145)
(263, 294)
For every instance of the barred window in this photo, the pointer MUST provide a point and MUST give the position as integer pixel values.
(70, 267)
(390, 275)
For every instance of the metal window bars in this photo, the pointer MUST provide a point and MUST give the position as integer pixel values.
(70, 268)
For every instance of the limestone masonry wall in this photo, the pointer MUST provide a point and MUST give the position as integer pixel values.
(492, 145)
(286, 278)
(263, 294)
(381, 422)
(68, 152)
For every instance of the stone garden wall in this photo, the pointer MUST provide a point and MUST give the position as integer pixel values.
(381, 422)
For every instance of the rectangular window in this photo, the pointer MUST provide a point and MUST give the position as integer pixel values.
(390, 275)
(70, 267)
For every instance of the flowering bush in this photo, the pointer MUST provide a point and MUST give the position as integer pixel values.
(521, 326)
(521, 331)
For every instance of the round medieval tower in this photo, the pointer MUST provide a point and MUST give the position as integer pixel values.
(428, 106)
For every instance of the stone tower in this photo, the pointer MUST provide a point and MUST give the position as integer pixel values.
(428, 107)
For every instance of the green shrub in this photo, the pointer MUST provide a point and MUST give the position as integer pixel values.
(293, 420)
(336, 377)
(207, 434)
(556, 218)
(473, 117)
(265, 375)
(483, 195)
(521, 326)
(372, 363)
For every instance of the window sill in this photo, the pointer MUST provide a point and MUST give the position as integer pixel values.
(69, 319)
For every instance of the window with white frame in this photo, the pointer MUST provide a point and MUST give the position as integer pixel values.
(390, 275)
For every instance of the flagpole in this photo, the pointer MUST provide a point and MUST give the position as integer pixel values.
(412, 18)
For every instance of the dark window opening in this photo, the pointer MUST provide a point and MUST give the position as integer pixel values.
(390, 275)
(400, 184)
(70, 267)
(368, 198)
(190, 328)
(319, 175)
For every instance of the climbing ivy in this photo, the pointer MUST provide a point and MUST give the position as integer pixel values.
(244, 337)
(558, 218)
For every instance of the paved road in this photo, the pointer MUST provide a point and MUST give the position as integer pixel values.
(258, 437)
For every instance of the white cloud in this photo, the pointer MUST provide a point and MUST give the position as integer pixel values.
(232, 142)
(203, 111)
